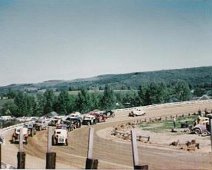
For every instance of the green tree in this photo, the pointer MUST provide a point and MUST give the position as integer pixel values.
(131, 99)
(157, 92)
(9, 108)
(143, 95)
(21, 103)
(63, 102)
(72, 104)
(11, 94)
(83, 102)
(40, 104)
(31, 105)
(108, 100)
(49, 101)
(199, 91)
(26, 104)
(182, 91)
(95, 101)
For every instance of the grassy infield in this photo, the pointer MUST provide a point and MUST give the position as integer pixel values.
(166, 125)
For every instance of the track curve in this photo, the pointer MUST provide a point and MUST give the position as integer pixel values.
(112, 154)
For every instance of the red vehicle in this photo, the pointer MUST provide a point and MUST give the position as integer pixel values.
(100, 117)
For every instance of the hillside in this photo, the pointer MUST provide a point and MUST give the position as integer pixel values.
(198, 76)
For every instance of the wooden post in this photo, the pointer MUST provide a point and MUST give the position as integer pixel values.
(90, 162)
(21, 138)
(1, 142)
(50, 156)
(51, 160)
(135, 152)
(21, 160)
(21, 156)
(134, 147)
(210, 123)
(142, 167)
(0, 156)
(90, 143)
(49, 140)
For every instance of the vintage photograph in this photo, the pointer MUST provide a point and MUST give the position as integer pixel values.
(106, 84)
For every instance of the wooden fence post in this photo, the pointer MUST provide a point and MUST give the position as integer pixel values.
(90, 162)
(21, 154)
(0, 156)
(50, 156)
(1, 142)
(135, 152)
(210, 124)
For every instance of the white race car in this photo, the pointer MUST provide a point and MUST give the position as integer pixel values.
(60, 135)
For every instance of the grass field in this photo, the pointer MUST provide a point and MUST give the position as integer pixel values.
(97, 91)
(166, 125)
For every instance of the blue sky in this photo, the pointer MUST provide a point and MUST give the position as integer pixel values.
(67, 39)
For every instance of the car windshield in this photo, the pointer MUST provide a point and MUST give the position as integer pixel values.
(38, 121)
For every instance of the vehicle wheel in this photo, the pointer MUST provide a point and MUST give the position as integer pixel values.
(31, 133)
(98, 120)
(26, 141)
(197, 131)
(66, 142)
(53, 141)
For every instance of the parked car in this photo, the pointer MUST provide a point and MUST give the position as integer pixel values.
(201, 120)
(109, 113)
(200, 129)
(137, 112)
(60, 135)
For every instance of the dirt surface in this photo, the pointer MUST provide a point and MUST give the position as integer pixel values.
(112, 153)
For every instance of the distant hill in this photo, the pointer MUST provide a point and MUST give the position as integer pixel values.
(198, 76)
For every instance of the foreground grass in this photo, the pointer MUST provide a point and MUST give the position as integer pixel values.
(167, 125)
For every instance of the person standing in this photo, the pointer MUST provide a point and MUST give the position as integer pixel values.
(174, 122)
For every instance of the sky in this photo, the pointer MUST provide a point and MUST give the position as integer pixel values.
(68, 39)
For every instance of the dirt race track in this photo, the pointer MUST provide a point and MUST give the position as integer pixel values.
(113, 154)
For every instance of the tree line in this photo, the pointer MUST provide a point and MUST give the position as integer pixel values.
(24, 104)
